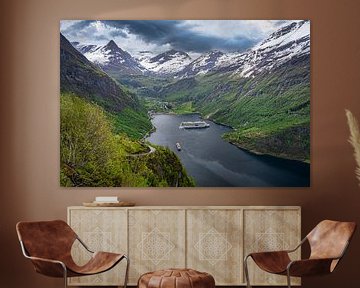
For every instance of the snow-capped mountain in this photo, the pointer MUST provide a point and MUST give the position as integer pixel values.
(111, 58)
(201, 65)
(167, 63)
(290, 41)
(80, 76)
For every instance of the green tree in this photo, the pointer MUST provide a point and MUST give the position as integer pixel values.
(87, 147)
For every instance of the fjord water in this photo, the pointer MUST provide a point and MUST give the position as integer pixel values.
(213, 162)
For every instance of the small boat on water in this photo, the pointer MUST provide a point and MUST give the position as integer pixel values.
(194, 125)
(178, 146)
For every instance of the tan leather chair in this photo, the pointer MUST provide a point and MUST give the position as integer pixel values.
(328, 242)
(48, 245)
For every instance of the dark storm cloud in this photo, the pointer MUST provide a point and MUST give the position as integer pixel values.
(171, 32)
(148, 30)
(77, 27)
(163, 32)
(100, 37)
(191, 41)
(118, 33)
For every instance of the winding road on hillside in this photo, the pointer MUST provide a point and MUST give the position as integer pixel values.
(152, 150)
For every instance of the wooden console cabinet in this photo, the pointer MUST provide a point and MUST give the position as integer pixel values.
(210, 239)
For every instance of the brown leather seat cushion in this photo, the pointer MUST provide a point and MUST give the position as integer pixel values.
(176, 278)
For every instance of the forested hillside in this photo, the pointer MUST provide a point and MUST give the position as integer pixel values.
(93, 155)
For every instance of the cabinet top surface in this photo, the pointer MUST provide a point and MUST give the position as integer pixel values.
(192, 207)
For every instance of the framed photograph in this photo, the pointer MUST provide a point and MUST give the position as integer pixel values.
(185, 103)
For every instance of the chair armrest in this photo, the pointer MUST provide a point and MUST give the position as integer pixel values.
(271, 261)
(298, 246)
(84, 245)
(280, 251)
(45, 260)
(309, 267)
(268, 254)
(48, 267)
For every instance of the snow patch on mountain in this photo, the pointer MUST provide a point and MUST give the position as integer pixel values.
(288, 34)
(169, 62)
(111, 57)
(281, 46)
(100, 56)
(201, 65)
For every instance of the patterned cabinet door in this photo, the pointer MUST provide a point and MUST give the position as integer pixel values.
(270, 230)
(156, 240)
(101, 230)
(214, 244)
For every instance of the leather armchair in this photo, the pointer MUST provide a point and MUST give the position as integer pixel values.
(328, 243)
(48, 245)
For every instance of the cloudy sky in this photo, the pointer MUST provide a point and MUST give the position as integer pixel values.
(157, 36)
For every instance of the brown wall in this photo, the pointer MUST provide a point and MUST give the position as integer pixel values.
(29, 118)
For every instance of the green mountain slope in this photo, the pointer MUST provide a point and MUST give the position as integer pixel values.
(270, 113)
(82, 78)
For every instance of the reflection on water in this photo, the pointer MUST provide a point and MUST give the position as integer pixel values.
(213, 162)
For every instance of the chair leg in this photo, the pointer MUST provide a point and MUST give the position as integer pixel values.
(65, 276)
(288, 278)
(246, 270)
(127, 271)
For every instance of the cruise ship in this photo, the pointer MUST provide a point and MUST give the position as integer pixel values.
(194, 125)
